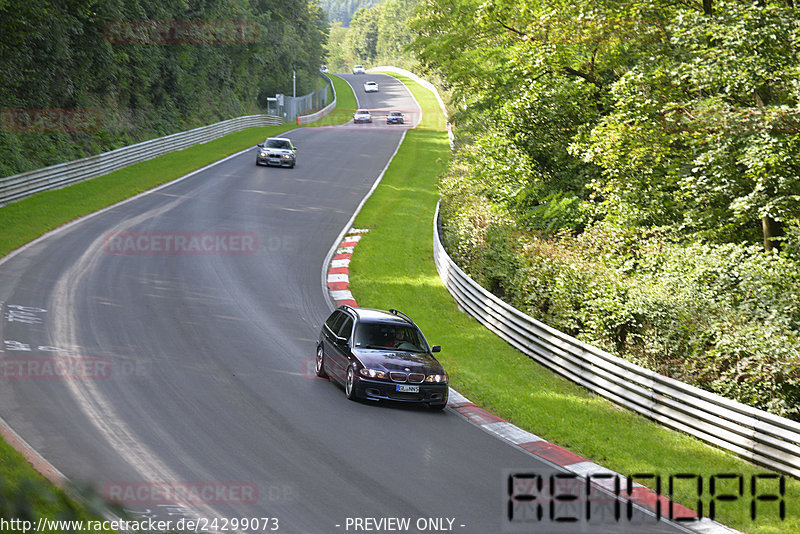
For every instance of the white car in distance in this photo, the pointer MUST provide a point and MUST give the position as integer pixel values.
(362, 115)
(371, 87)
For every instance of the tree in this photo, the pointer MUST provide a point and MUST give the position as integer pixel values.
(362, 39)
(394, 33)
(62, 55)
(708, 127)
(338, 55)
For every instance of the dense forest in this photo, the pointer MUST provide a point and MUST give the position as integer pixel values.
(342, 10)
(378, 35)
(86, 76)
(628, 172)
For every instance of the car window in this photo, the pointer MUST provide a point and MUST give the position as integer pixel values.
(346, 331)
(335, 321)
(275, 143)
(394, 336)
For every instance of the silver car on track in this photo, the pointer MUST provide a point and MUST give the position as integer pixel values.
(277, 151)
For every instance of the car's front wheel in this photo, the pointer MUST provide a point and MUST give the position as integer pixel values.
(320, 365)
(350, 383)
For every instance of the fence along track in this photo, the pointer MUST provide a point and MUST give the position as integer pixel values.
(22, 185)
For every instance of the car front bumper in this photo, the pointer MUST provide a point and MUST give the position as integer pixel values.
(278, 161)
(435, 394)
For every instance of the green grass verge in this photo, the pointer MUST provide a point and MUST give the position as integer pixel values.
(394, 268)
(23, 221)
(25, 495)
(345, 104)
(27, 219)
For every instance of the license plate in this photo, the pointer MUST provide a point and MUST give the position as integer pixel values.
(274, 160)
(404, 388)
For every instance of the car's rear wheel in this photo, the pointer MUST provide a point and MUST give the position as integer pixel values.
(320, 365)
(350, 383)
(437, 407)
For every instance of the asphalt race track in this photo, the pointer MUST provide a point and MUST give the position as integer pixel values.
(193, 367)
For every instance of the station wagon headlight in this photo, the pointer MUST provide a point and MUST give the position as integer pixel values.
(372, 373)
(436, 379)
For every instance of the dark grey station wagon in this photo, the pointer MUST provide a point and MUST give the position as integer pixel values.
(380, 355)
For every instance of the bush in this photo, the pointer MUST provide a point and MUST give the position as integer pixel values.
(722, 317)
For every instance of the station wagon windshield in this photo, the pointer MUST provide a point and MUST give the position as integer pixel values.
(389, 336)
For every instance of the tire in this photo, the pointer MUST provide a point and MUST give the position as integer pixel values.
(437, 407)
(292, 165)
(320, 365)
(350, 383)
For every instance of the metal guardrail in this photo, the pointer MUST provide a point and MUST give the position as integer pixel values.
(306, 119)
(57, 176)
(754, 434)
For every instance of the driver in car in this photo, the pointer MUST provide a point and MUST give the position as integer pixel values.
(400, 341)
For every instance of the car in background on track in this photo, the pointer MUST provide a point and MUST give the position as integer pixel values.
(380, 355)
(371, 87)
(277, 151)
(359, 69)
(362, 115)
(394, 117)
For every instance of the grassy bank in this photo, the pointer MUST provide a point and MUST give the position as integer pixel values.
(345, 104)
(25, 495)
(25, 220)
(393, 268)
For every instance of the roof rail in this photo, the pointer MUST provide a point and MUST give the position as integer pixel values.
(401, 314)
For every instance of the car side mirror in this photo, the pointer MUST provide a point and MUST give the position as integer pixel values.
(341, 340)
(436, 348)
(260, 145)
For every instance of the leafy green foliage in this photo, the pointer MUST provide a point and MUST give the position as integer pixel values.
(376, 35)
(26, 496)
(59, 55)
(362, 38)
(342, 10)
(711, 122)
(620, 171)
(722, 317)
